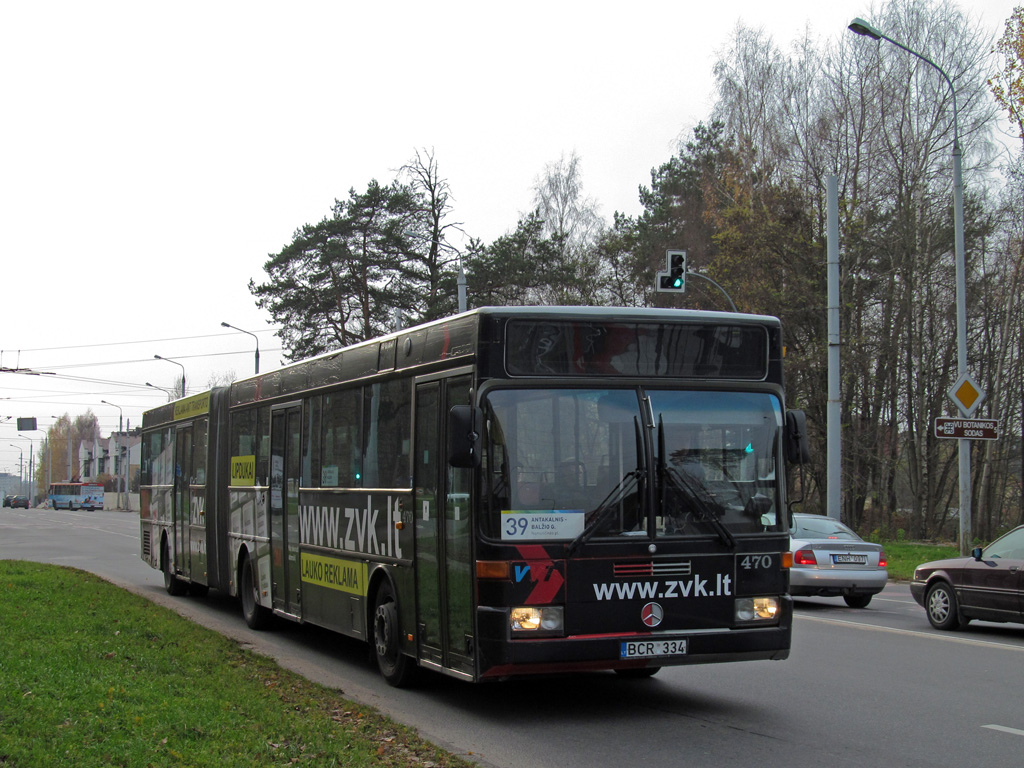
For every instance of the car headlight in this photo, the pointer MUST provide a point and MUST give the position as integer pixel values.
(538, 620)
(756, 608)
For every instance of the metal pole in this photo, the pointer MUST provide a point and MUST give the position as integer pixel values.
(234, 328)
(862, 27)
(719, 287)
(963, 444)
(117, 448)
(834, 428)
(167, 359)
(463, 302)
(21, 469)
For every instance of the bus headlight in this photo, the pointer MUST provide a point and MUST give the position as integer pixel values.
(756, 608)
(538, 620)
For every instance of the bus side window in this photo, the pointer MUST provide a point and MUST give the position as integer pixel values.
(311, 475)
(263, 446)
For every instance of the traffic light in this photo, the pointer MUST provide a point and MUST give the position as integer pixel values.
(673, 280)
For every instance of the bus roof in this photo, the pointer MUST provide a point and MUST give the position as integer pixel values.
(648, 314)
(364, 358)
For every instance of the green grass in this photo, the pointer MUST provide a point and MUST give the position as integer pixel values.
(91, 675)
(904, 556)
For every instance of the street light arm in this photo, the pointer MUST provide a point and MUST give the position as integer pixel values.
(120, 415)
(167, 359)
(861, 27)
(250, 333)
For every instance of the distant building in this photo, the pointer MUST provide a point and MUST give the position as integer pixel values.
(106, 457)
(10, 485)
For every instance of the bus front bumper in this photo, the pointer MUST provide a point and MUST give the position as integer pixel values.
(503, 656)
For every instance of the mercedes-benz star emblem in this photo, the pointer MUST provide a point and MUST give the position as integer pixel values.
(652, 614)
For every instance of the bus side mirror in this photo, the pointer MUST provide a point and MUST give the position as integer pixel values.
(797, 450)
(464, 436)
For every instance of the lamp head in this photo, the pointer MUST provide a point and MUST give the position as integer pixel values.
(861, 27)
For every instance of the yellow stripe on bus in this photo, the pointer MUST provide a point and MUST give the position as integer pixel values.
(331, 572)
(191, 407)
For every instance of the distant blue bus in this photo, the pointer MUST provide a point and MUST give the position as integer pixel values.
(76, 496)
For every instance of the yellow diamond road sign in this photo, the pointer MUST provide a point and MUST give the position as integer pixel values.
(967, 395)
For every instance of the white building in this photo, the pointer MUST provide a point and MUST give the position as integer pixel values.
(118, 456)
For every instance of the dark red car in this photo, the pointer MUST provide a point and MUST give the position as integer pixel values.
(989, 585)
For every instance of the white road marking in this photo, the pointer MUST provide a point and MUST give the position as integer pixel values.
(1005, 729)
(906, 600)
(913, 633)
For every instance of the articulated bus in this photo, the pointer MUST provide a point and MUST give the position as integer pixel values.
(509, 491)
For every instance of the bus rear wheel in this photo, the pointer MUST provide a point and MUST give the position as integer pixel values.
(255, 615)
(395, 667)
(174, 586)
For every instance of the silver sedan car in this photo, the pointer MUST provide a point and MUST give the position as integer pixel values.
(830, 560)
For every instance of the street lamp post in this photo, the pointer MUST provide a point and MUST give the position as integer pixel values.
(21, 468)
(861, 27)
(180, 366)
(167, 392)
(57, 418)
(234, 328)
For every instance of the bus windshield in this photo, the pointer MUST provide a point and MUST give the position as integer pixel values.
(568, 464)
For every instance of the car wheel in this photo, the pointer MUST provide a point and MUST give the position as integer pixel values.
(857, 601)
(395, 667)
(941, 606)
(256, 616)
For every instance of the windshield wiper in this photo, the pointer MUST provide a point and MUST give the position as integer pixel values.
(615, 495)
(700, 500)
(693, 491)
(606, 507)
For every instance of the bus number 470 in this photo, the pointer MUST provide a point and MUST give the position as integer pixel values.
(753, 562)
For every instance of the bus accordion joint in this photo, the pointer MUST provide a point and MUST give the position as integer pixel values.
(493, 569)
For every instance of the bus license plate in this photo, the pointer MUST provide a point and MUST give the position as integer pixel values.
(646, 649)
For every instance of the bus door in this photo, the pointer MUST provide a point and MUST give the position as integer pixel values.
(197, 555)
(285, 466)
(181, 513)
(444, 530)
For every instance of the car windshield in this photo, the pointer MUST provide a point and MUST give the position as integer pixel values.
(562, 464)
(821, 527)
(1010, 546)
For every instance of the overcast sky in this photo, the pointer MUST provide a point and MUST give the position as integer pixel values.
(153, 154)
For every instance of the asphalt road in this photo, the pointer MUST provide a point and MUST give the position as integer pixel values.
(876, 686)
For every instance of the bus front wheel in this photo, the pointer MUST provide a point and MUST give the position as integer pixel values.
(395, 667)
(637, 673)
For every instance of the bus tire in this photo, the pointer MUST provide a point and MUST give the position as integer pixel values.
(255, 615)
(637, 673)
(174, 586)
(196, 589)
(395, 667)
